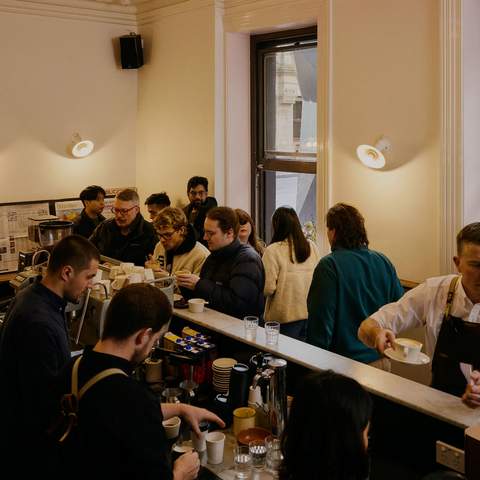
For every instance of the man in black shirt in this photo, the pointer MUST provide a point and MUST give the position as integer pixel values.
(120, 433)
(93, 199)
(200, 204)
(34, 347)
(128, 237)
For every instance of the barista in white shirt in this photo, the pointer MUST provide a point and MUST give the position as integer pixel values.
(449, 308)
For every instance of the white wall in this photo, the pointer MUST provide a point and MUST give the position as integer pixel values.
(386, 81)
(59, 77)
(471, 110)
(176, 104)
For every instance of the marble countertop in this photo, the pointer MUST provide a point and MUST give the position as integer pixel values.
(413, 395)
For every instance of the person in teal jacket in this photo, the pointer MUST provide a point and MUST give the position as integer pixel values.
(348, 285)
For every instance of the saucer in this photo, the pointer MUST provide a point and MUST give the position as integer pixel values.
(422, 359)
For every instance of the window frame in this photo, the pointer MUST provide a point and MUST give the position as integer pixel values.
(261, 45)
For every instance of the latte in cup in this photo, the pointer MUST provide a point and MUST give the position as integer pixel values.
(408, 348)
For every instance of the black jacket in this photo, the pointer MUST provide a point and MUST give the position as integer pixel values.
(232, 281)
(134, 247)
(84, 225)
(196, 216)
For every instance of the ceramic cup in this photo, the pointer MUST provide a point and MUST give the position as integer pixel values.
(180, 449)
(408, 348)
(153, 370)
(243, 418)
(172, 427)
(196, 305)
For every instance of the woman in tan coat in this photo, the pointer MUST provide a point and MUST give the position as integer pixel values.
(289, 263)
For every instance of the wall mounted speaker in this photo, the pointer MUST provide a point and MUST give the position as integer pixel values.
(131, 51)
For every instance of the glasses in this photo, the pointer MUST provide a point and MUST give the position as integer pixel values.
(122, 211)
(166, 235)
(199, 193)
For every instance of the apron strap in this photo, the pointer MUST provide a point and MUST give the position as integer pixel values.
(450, 295)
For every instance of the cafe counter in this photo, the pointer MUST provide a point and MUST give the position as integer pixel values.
(409, 417)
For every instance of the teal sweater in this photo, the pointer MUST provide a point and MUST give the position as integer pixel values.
(349, 285)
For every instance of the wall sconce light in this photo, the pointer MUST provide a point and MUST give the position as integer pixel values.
(81, 148)
(372, 156)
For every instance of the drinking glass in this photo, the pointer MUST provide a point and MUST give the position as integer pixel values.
(251, 325)
(242, 461)
(274, 455)
(258, 452)
(272, 332)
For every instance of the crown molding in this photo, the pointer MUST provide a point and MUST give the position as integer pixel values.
(73, 9)
(451, 171)
(256, 15)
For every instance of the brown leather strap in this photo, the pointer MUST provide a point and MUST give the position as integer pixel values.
(450, 295)
(98, 377)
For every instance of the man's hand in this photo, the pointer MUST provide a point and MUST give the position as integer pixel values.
(471, 397)
(186, 466)
(194, 415)
(187, 280)
(385, 339)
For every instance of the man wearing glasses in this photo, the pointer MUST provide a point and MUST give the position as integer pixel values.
(127, 237)
(200, 204)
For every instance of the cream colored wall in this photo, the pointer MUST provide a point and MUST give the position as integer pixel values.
(386, 81)
(471, 110)
(60, 76)
(176, 105)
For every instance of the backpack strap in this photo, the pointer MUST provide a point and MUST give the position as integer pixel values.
(70, 401)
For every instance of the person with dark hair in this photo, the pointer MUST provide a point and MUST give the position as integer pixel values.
(127, 237)
(349, 284)
(120, 418)
(200, 204)
(326, 437)
(34, 347)
(232, 277)
(449, 309)
(157, 202)
(247, 233)
(289, 262)
(93, 199)
(177, 249)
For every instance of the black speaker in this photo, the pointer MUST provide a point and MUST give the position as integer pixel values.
(131, 52)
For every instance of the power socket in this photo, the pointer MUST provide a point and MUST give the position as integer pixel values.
(451, 457)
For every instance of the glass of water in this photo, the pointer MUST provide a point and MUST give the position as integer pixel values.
(258, 452)
(251, 325)
(274, 455)
(272, 332)
(242, 461)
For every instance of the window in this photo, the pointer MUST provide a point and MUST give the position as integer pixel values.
(284, 127)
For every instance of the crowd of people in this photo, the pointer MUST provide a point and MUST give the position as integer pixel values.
(350, 302)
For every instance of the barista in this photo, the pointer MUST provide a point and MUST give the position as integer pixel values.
(449, 308)
(93, 199)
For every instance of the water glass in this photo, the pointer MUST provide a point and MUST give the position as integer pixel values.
(274, 455)
(258, 452)
(251, 325)
(272, 332)
(242, 461)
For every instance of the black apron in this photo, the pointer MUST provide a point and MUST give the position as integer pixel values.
(458, 342)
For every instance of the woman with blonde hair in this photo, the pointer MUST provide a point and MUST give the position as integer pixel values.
(177, 249)
(289, 262)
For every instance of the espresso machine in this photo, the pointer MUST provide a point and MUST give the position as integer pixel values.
(272, 377)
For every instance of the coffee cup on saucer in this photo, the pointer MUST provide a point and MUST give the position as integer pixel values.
(408, 349)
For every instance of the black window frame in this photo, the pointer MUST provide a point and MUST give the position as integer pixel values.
(261, 45)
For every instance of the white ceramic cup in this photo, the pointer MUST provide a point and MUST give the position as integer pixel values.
(215, 446)
(196, 305)
(200, 443)
(408, 348)
(172, 427)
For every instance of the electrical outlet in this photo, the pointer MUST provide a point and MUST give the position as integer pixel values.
(451, 457)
